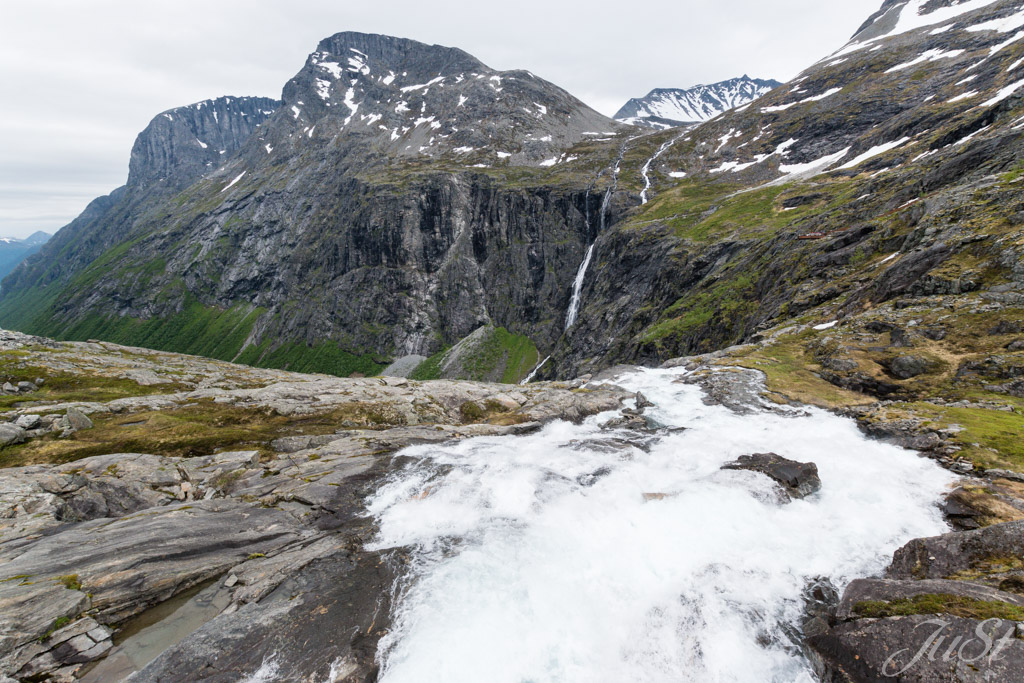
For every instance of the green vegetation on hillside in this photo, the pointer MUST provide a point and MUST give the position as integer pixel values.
(500, 356)
(210, 332)
(197, 330)
(326, 358)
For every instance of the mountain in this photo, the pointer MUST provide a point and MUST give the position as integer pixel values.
(401, 197)
(13, 251)
(38, 238)
(673, 107)
(405, 196)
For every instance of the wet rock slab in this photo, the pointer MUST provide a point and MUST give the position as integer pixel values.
(116, 568)
(797, 479)
(322, 624)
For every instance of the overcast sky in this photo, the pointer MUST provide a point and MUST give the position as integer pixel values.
(81, 78)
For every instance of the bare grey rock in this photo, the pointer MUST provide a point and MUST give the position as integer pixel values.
(943, 556)
(29, 421)
(738, 389)
(77, 420)
(117, 568)
(11, 434)
(876, 649)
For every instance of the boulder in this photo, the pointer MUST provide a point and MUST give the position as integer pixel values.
(900, 338)
(1007, 327)
(908, 366)
(840, 364)
(77, 420)
(891, 630)
(29, 421)
(943, 556)
(887, 650)
(626, 421)
(820, 599)
(798, 479)
(11, 434)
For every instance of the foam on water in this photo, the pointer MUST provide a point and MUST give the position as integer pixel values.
(540, 558)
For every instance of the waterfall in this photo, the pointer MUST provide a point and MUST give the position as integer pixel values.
(578, 553)
(646, 170)
(581, 275)
(529, 378)
(577, 289)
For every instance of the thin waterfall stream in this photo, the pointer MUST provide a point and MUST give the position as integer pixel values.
(646, 170)
(581, 274)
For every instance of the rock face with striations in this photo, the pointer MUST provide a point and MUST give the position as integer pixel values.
(180, 145)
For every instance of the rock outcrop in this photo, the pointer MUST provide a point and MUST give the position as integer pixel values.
(951, 607)
(797, 479)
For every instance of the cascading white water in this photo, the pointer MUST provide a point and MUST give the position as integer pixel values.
(529, 378)
(646, 170)
(578, 554)
(577, 289)
(581, 275)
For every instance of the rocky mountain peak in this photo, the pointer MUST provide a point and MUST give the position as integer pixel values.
(417, 100)
(671, 107)
(181, 144)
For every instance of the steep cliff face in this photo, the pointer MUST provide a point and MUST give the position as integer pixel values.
(178, 147)
(182, 144)
(406, 195)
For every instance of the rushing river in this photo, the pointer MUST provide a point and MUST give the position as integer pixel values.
(578, 554)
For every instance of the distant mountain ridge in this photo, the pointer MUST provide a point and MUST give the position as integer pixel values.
(14, 250)
(671, 107)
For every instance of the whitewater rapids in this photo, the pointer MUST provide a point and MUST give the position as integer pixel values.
(578, 554)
